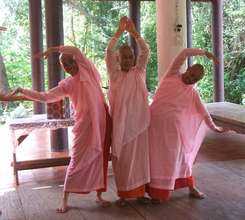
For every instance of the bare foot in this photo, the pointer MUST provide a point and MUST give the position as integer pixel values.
(121, 202)
(103, 203)
(195, 193)
(143, 200)
(62, 209)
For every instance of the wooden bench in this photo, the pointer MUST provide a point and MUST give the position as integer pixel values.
(228, 115)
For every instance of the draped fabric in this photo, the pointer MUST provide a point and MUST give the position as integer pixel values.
(130, 113)
(176, 132)
(178, 126)
(85, 171)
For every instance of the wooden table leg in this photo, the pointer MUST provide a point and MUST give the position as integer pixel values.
(15, 169)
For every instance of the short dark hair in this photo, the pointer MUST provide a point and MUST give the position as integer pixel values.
(199, 67)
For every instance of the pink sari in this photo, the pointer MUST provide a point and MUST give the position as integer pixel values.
(178, 126)
(86, 170)
(131, 118)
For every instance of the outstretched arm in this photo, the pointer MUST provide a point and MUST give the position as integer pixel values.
(9, 97)
(53, 95)
(111, 60)
(185, 53)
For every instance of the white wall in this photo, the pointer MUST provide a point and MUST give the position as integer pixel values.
(169, 41)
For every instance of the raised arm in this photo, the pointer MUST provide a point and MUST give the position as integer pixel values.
(76, 53)
(111, 59)
(185, 53)
(49, 51)
(143, 56)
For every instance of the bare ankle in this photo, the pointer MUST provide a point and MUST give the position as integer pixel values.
(196, 193)
(101, 201)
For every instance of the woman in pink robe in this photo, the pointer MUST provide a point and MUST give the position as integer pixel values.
(87, 169)
(130, 114)
(178, 125)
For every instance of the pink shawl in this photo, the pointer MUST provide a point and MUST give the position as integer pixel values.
(95, 98)
(174, 97)
(130, 110)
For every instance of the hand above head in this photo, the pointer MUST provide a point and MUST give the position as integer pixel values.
(41, 55)
(131, 29)
(130, 26)
(45, 54)
(212, 57)
(121, 26)
(123, 23)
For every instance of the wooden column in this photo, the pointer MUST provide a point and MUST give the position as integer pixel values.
(217, 6)
(134, 14)
(55, 37)
(36, 35)
(189, 28)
